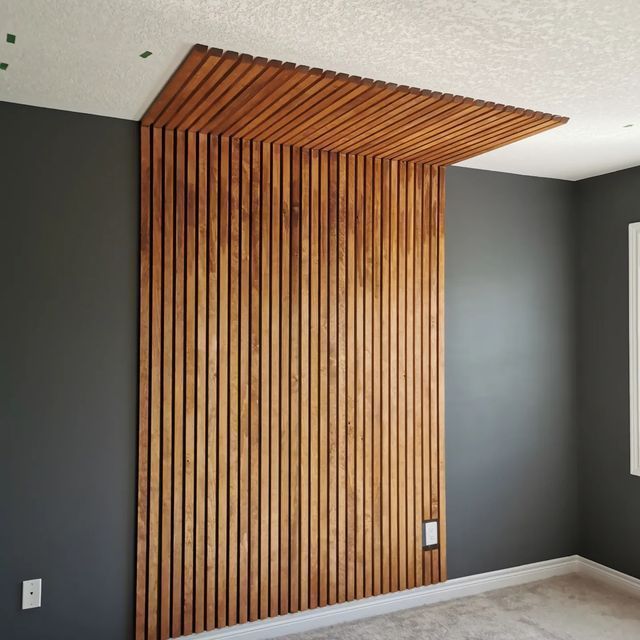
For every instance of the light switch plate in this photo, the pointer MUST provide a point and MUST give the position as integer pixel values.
(31, 593)
(430, 534)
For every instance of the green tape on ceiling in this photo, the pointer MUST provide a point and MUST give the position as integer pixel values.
(3, 66)
(11, 38)
(145, 54)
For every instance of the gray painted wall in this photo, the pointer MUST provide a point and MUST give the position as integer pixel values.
(68, 373)
(69, 264)
(510, 352)
(610, 495)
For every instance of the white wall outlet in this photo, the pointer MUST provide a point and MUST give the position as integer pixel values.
(31, 593)
(430, 534)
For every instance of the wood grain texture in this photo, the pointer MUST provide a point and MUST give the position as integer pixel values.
(291, 420)
(227, 94)
(291, 426)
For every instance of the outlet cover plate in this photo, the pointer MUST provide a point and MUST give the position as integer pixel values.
(430, 534)
(31, 593)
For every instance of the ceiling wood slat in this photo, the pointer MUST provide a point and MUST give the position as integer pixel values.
(240, 96)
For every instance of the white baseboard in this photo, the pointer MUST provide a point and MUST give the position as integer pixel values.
(377, 605)
(610, 576)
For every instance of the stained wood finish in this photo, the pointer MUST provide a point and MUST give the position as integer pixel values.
(291, 434)
(291, 379)
(228, 94)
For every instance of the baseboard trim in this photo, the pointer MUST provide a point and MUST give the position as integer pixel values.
(610, 576)
(377, 605)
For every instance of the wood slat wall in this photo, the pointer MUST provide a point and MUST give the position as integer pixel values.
(291, 389)
(291, 336)
(227, 94)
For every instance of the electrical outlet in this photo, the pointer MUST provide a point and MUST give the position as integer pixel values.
(31, 593)
(430, 534)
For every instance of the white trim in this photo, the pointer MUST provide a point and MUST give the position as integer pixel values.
(634, 342)
(377, 605)
(610, 576)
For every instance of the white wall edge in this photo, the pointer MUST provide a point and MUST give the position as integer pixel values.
(610, 576)
(387, 603)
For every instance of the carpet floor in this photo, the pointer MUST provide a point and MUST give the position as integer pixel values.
(570, 607)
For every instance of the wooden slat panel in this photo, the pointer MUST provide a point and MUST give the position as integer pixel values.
(285, 369)
(426, 359)
(244, 459)
(314, 381)
(201, 382)
(222, 93)
(417, 380)
(212, 383)
(351, 378)
(294, 384)
(376, 373)
(332, 299)
(385, 381)
(255, 459)
(341, 400)
(167, 384)
(305, 380)
(410, 350)
(433, 358)
(291, 425)
(439, 328)
(291, 437)
(233, 542)
(274, 608)
(190, 382)
(402, 376)
(393, 375)
(265, 379)
(223, 382)
(178, 382)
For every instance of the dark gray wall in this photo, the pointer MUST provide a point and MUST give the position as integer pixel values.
(610, 495)
(510, 354)
(68, 259)
(68, 372)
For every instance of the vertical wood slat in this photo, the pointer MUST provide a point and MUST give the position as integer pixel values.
(274, 608)
(294, 385)
(167, 383)
(212, 383)
(305, 378)
(265, 380)
(190, 382)
(200, 453)
(285, 370)
(323, 356)
(244, 460)
(314, 383)
(291, 421)
(332, 398)
(223, 381)
(351, 378)
(178, 382)
(255, 459)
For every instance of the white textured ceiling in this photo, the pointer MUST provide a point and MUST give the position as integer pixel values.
(579, 58)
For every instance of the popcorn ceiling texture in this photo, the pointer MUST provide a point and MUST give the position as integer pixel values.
(577, 58)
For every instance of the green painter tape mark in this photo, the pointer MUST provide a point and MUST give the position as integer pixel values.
(11, 39)
(3, 66)
(145, 54)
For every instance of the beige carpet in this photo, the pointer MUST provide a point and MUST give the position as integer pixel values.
(564, 608)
